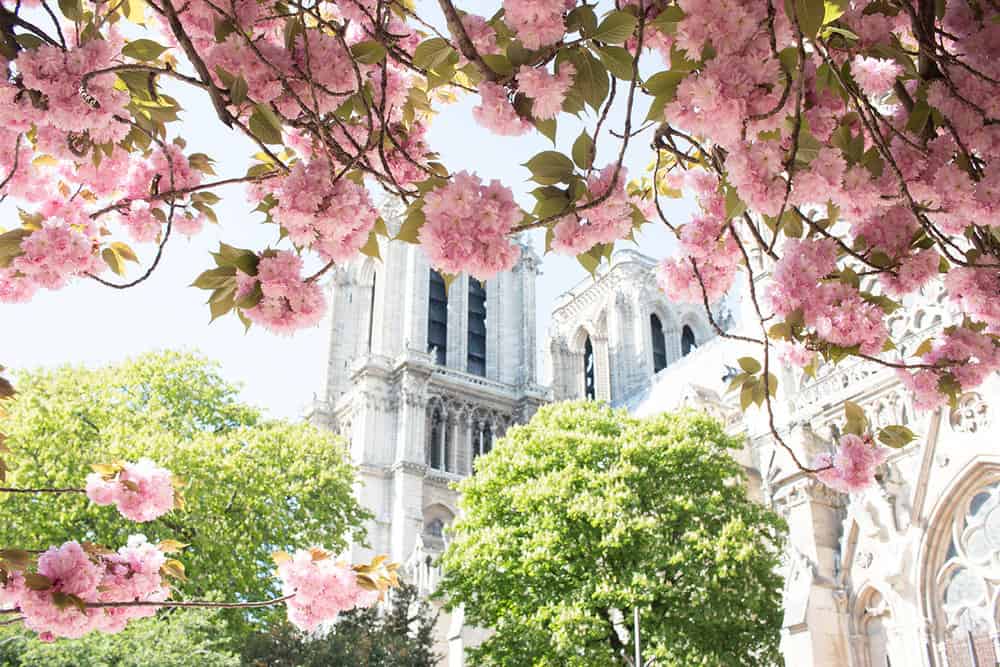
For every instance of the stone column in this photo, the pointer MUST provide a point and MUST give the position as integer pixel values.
(602, 370)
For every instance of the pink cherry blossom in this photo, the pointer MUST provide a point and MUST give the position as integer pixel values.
(288, 302)
(547, 91)
(537, 22)
(606, 222)
(142, 491)
(321, 588)
(497, 114)
(875, 75)
(853, 465)
(468, 227)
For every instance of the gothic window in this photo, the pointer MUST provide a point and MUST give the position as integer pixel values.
(436, 445)
(437, 318)
(371, 313)
(435, 528)
(876, 638)
(477, 328)
(589, 387)
(688, 341)
(659, 344)
(969, 578)
(482, 440)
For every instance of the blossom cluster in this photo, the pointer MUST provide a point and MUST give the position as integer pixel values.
(707, 244)
(287, 301)
(56, 600)
(320, 587)
(142, 491)
(468, 227)
(608, 218)
(331, 218)
(851, 469)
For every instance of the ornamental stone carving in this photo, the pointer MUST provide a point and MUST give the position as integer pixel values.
(971, 415)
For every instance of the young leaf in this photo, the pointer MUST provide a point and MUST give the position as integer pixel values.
(749, 364)
(896, 436)
(583, 151)
(143, 49)
(616, 28)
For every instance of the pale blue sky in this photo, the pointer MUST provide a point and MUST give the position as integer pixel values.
(91, 324)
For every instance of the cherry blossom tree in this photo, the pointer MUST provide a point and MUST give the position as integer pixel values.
(847, 145)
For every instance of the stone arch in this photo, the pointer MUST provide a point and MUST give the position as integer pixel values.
(944, 555)
(872, 616)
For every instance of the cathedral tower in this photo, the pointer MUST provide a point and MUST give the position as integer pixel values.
(421, 379)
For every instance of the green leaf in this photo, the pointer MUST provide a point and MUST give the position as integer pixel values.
(547, 128)
(551, 206)
(431, 53)
(498, 63)
(749, 364)
(591, 82)
(583, 20)
(368, 52)
(215, 278)
(856, 420)
(583, 151)
(746, 394)
(265, 125)
(238, 90)
(617, 59)
(124, 251)
(734, 205)
(550, 167)
(10, 245)
(666, 21)
(833, 10)
(370, 248)
(143, 49)
(616, 28)
(772, 385)
(71, 9)
(114, 261)
(896, 436)
(810, 14)
(410, 229)
(589, 261)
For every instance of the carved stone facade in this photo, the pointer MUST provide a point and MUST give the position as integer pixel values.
(415, 425)
(906, 574)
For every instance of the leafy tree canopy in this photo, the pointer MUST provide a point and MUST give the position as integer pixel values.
(584, 514)
(175, 639)
(253, 485)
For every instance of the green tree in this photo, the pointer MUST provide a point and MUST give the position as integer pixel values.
(402, 636)
(180, 638)
(253, 485)
(585, 514)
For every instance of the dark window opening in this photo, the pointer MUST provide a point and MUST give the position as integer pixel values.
(435, 451)
(371, 314)
(477, 328)
(589, 387)
(659, 344)
(437, 318)
(688, 342)
(482, 440)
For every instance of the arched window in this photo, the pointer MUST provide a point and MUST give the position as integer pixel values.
(371, 313)
(659, 343)
(966, 597)
(482, 440)
(688, 341)
(589, 387)
(875, 617)
(435, 528)
(436, 454)
(437, 318)
(477, 328)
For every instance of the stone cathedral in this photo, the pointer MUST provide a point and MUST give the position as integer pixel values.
(421, 380)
